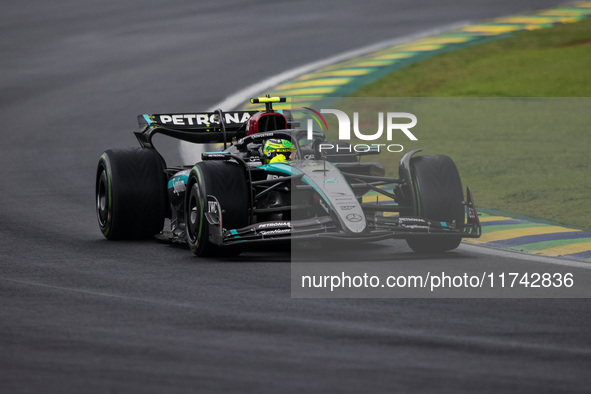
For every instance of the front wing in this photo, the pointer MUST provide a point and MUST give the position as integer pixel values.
(325, 227)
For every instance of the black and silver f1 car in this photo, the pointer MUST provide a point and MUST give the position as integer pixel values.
(237, 196)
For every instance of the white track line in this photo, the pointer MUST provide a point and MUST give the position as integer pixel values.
(190, 153)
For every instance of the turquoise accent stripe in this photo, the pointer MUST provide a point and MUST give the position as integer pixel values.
(280, 167)
(183, 178)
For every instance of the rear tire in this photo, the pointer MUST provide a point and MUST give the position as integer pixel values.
(131, 200)
(439, 197)
(227, 182)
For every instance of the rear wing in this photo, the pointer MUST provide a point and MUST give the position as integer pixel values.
(200, 128)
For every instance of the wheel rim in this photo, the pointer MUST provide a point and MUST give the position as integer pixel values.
(194, 213)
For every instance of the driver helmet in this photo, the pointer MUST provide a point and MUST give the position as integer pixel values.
(277, 150)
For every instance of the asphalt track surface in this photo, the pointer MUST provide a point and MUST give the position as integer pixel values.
(82, 314)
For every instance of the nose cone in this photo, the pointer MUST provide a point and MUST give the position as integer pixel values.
(334, 189)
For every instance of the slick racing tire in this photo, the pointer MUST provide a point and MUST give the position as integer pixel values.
(226, 181)
(131, 200)
(439, 196)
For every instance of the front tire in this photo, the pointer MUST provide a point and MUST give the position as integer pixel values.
(131, 200)
(439, 196)
(227, 182)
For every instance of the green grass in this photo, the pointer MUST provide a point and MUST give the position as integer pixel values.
(554, 62)
(538, 162)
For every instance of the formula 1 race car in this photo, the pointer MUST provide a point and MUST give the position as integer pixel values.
(242, 195)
